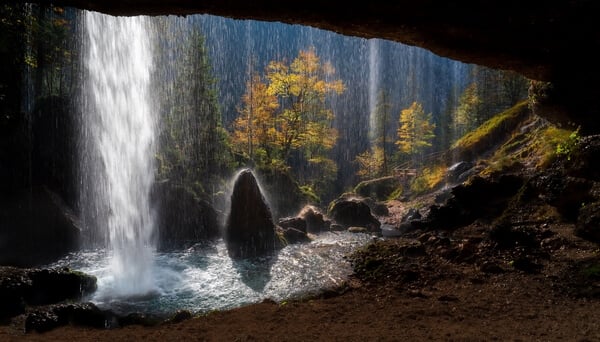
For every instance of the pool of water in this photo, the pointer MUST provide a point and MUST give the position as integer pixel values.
(203, 278)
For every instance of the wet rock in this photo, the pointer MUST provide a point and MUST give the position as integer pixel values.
(183, 218)
(297, 223)
(309, 220)
(480, 198)
(585, 159)
(411, 215)
(379, 189)
(336, 227)
(55, 285)
(20, 288)
(457, 172)
(250, 230)
(377, 208)
(36, 227)
(353, 212)
(283, 203)
(358, 230)
(53, 316)
(315, 220)
(293, 235)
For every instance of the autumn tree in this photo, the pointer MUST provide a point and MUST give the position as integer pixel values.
(285, 120)
(370, 163)
(415, 130)
(254, 130)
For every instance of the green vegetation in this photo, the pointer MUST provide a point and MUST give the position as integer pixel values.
(568, 146)
(489, 130)
(430, 178)
(194, 147)
(371, 163)
(285, 119)
(382, 135)
(415, 130)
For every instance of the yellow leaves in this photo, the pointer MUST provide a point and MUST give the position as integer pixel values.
(415, 129)
(370, 162)
(337, 87)
(306, 63)
(288, 109)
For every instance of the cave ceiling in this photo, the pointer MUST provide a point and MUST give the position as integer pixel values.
(543, 40)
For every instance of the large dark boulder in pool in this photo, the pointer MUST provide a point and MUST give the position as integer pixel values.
(249, 231)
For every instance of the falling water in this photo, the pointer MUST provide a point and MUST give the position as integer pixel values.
(119, 117)
(374, 82)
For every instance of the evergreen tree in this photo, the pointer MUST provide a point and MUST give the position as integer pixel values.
(194, 144)
(382, 131)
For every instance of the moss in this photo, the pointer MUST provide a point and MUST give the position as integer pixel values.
(429, 179)
(486, 136)
(396, 193)
(309, 193)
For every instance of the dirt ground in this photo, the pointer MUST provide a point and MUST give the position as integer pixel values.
(428, 286)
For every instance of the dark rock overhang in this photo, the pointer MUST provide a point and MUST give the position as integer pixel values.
(554, 41)
(542, 40)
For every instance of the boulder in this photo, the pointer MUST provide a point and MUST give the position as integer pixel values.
(36, 228)
(282, 203)
(249, 231)
(480, 198)
(380, 188)
(183, 218)
(457, 172)
(22, 287)
(83, 314)
(315, 221)
(293, 235)
(352, 211)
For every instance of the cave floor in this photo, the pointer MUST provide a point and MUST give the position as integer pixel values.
(464, 289)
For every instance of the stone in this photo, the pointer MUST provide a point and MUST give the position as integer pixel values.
(183, 218)
(249, 231)
(36, 228)
(352, 211)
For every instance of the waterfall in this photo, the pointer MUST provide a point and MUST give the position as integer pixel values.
(374, 83)
(119, 122)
